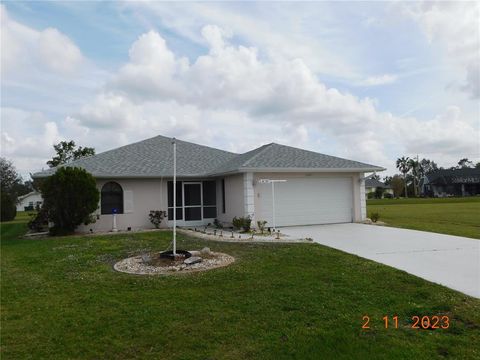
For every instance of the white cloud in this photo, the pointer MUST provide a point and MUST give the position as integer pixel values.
(25, 49)
(233, 97)
(230, 92)
(58, 52)
(456, 26)
(27, 138)
(267, 27)
(446, 135)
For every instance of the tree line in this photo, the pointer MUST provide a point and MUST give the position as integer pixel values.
(412, 172)
(13, 186)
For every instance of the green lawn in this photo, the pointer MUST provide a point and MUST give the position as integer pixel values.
(453, 216)
(60, 299)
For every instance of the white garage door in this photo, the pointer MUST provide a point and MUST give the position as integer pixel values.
(307, 201)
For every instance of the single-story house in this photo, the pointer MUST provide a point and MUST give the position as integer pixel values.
(29, 201)
(452, 182)
(217, 184)
(371, 185)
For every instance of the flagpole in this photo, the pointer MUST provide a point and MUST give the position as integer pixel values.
(174, 197)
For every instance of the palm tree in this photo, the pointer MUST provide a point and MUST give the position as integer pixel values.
(404, 166)
(414, 166)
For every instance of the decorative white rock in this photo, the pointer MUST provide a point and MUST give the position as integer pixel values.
(205, 251)
(193, 260)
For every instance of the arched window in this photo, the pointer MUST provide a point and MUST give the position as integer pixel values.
(112, 198)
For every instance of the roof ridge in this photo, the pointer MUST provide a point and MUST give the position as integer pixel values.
(258, 153)
(210, 147)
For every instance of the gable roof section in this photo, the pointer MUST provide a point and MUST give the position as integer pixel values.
(287, 157)
(154, 158)
(276, 157)
(151, 158)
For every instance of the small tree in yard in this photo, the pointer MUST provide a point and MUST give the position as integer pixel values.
(8, 207)
(379, 193)
(9, 181)
(397, 184)
(68, 151)
(70, 196)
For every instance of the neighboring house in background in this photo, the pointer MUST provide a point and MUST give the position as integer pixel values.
(29, 201)
(371, 185)
(216, 184)
(457, 182)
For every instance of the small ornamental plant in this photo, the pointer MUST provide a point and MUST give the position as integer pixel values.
(374, 216)
(261, 225)
(217, 224)
(243, 223)
(156, 217)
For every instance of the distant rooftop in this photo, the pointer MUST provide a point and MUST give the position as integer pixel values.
(374, 183)
(448, 176)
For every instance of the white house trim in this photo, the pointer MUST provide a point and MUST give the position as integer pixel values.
(249, 194)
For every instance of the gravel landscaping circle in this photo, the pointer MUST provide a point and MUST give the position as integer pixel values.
(137, 265)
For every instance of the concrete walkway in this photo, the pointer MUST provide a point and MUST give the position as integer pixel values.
(452, 261)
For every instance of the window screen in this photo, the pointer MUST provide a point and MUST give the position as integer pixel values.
(209, 199)
(179, 213)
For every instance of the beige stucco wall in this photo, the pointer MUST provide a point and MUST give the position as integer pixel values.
(358, 188)
(152, 194)
(145, 195)
(234, 198)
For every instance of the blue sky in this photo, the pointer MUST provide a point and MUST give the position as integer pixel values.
(368, 81)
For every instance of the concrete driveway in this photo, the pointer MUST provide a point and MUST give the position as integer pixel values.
(452, 261)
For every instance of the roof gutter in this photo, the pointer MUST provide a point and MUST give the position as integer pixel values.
(313, 170)
(238, 171)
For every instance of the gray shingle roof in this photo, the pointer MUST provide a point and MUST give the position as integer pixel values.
(276, 156)
(375, 183)
(154, 158)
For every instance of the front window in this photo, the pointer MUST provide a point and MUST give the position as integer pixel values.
(195, 200)
(112, 198)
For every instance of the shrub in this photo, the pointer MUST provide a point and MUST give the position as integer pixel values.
(217, 224)
(247, 223)
(39, 221)
(261, 225)
(237, 223)
(388, 196)
(70, 197)
(8, 207)
(374, 216)
(242, 223)
(156, 217)
(378, 193)
(371, 195)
